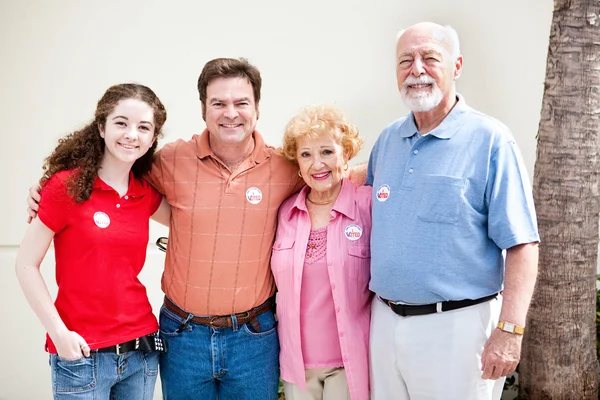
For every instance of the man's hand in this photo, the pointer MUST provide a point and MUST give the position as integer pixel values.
(32, 201)
(358, 174)
(71, 345)
(501, 354)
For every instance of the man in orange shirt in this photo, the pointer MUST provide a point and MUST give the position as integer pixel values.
(224, 187)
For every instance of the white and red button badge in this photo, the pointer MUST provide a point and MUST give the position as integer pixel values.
(353, 232)
(383, 192)
(254, 195)
(101, 219)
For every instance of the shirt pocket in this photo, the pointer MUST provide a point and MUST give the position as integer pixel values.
(283, 254)
(442, 199)
(359, 261)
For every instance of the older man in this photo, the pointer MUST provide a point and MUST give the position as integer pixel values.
(453, 227)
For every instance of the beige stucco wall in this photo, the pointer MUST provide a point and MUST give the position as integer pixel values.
(59, 57)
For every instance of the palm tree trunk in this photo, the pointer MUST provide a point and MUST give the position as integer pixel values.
(559, 348)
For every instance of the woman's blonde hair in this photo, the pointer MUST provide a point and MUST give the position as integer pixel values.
(319, 120)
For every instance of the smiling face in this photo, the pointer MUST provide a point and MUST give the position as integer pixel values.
(128, 132)
(230, 111)
(425, 70)
(321, 161)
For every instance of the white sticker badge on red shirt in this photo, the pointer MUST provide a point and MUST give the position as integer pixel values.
(383, 192)
(101, 220)
(254, 195)
(353, 232)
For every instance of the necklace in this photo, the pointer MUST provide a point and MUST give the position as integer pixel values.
(320, 203)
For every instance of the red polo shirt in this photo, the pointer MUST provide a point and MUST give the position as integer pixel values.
(100, 248)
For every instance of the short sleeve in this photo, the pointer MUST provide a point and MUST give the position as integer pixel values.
(511, 212)
(156, 175)
(155, 198)
(56, 203)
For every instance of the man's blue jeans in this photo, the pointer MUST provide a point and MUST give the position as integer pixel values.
(104, 376)
(219, 363)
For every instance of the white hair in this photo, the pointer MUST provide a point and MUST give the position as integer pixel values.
(446, 34)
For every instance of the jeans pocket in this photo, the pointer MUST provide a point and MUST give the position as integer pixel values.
(169, 323)
(74, 376)
(268, 325)
(150, 360)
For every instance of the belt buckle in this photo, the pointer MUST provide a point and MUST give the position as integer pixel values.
(242, 316)
(214, 318)
(397, 307)
(117, 346)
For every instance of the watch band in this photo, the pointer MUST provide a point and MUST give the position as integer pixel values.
(511, 328)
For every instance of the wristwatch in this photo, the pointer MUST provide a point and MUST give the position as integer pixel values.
(511, 328)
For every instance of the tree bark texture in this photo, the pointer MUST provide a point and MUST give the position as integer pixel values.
(559, 348)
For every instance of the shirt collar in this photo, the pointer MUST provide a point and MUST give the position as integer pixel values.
(135, 189)
(344, 204)
(259, 154)
(449, 125)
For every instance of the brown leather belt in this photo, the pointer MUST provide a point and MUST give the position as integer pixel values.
(223, 321)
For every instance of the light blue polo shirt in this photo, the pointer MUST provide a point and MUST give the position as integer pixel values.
(445, 205)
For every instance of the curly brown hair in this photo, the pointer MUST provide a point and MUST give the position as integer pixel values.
(228, 68)
(82, 150)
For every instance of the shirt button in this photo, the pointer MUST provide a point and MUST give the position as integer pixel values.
(345, 359)
(410, 171)
(337, 309)
(416, 152)
(333, 286)
(329, 263)
(341, 334)
(126, 197)
(118, 205)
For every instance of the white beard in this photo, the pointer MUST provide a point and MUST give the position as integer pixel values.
(421, 101)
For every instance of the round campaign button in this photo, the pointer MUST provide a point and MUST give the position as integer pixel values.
(383, 192)
(254, 195)
(353, 232)
(101, 219)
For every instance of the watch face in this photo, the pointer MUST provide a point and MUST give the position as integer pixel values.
(508, 327)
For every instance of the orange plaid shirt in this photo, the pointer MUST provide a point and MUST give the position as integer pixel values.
(222, 224)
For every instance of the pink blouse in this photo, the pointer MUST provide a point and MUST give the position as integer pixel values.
(347, 257)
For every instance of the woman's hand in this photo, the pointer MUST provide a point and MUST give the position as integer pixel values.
(71, 346)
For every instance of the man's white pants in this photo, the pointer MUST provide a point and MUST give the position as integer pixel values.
(434, 356)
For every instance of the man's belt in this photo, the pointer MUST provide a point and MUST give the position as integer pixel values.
(145, 343)
(222, 321)
(408, 309)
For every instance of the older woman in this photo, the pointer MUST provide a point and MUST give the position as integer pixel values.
(320, 261)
